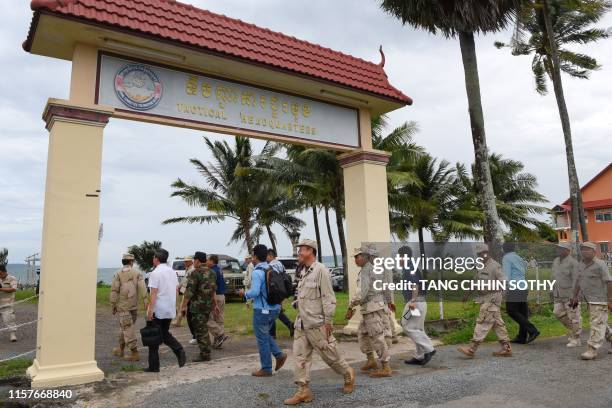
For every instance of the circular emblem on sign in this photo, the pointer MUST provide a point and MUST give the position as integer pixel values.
(138, 87)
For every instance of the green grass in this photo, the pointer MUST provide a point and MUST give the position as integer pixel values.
(14, 368)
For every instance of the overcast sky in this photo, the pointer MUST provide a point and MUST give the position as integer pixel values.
(140, 160)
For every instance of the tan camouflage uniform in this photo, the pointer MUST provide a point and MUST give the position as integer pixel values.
(127, 289)
(6, 303)
(374, 326)
(489, 316)
(593, 281)
(565, 272)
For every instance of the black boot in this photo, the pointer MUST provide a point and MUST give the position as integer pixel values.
(201, 357)
(181, 357)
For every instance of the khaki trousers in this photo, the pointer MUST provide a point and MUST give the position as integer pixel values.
(8, 317)
(215, 323)
(371, 334)
(127, 334)
(598, 317)
(307, 340)
(569, 317)
(489, 318)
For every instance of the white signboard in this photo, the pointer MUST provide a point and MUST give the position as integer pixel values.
(171, 93)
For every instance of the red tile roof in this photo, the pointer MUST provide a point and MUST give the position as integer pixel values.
(588, 205)
(188, 25)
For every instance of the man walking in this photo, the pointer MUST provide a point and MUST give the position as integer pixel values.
(280, 268)
(565, 269)
(8, 287)
(264, 314)
(489, 316)
(516, 300)
(200, 296)
(216, 320)
(163, 284)
(415, 311)
(595, 285)
(189, 268)
(127, 290)
(371, 331)
(316, 304)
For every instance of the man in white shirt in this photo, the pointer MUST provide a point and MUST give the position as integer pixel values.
(163, 283)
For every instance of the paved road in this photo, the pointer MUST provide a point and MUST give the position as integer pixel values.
(543, 374)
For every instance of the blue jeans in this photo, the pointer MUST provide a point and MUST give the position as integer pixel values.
(265, 343)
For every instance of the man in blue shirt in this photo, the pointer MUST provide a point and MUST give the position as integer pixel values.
(264, 315)
(516, 300)
(215, 322)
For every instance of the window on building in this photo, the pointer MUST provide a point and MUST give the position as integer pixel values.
(603, 215)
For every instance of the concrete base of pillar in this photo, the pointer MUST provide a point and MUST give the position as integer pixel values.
(63, 374)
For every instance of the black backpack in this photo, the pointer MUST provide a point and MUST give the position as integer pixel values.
(278, 285)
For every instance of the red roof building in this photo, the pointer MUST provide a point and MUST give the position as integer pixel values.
(597, 199)
(186, 26)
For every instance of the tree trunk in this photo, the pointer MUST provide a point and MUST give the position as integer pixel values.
(422, 250)
(341, 237)
(577, 214)
(331, 238)
(492, 227)
(248, 239)
(317, 233)
(271, 237)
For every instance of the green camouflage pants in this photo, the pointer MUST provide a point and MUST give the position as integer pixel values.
(200, 326)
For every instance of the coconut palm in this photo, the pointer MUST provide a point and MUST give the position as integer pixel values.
(275, 206)
(544, 28)
(3, 256)
(231, 188)
(464, 18)
(143, 254)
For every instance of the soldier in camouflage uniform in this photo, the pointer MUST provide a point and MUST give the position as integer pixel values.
(126, 290)
(200, 295)
(374, 326)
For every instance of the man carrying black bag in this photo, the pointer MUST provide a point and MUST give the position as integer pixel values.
(162, 309)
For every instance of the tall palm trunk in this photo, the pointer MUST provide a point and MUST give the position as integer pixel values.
(422, 247)
(492, 228)
(577, 214)
(315, 217)
(248, 238)
(271, 237)
(341, 238)
(329, 234)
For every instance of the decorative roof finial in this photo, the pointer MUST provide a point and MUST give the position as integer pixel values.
(382, 56)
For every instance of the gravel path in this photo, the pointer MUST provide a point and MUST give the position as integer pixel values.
(543, 374)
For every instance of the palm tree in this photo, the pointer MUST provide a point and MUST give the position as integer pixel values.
(143, 254)
(232, 186)
(275, 206)
(463, 18)
(517, 198)
(3, 256)
(431, 204)
(551, 25)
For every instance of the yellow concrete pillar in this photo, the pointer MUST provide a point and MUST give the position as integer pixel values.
(366, 208)
(67, 303)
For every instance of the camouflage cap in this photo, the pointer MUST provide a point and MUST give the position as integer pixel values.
(368, 249)
(589, 245)
(480, 247)
(309, 243)
(565, 245)
(128, 257)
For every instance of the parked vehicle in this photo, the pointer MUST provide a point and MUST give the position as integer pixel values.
(233, 275)
(290, 265)
(178, 266)
(337, 276)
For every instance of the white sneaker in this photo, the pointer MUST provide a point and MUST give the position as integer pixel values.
(13, 337)
(574, 343)
(193, 341)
